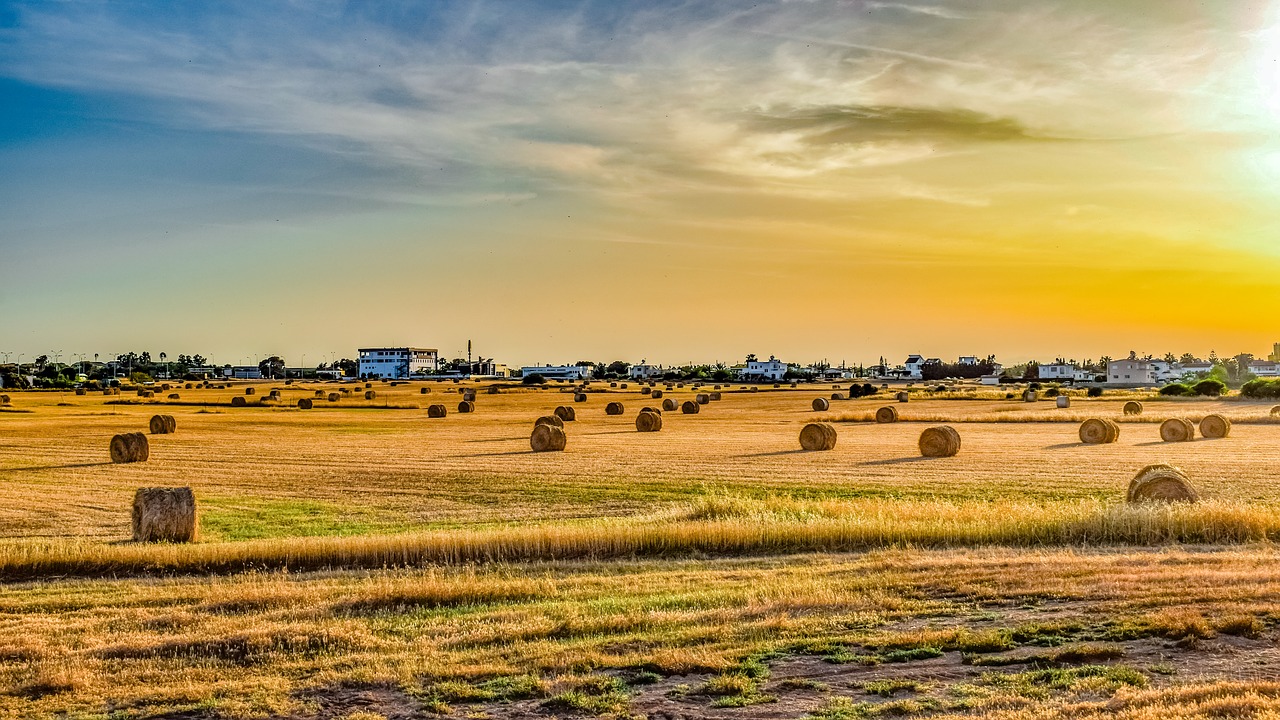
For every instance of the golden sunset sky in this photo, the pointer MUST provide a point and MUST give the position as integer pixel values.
(669, 181)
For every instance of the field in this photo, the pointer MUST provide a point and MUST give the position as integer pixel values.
(359, 560)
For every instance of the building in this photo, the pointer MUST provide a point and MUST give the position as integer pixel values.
(397, 362)
(968, 360)
(1265, 368)
(1131, 372)
(771, 369)
(645, 371)
(1058, 371)
(1275, 353)
(914, 366)
(242, 372)
(558, 372)
(989, 380)
(1085, 375)
(1190, 370)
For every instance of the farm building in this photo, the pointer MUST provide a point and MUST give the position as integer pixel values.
(1131, 372)
(397, 362)
(558, 372)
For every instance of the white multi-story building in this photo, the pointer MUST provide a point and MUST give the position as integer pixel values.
(558, 372)
(1130, 372)
(645, 371)
(771, 369)
(1058, 371)
(1188, 370)
(968, 360)
(397, 362)
(1265, 368)
(914, 366)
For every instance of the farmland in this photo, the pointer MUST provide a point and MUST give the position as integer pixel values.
(360, 557)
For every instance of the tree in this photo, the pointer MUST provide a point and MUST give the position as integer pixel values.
(1170, 358)
(41, 361)
(751, 357)
(618, 367)
(1188, 358)
(271, 367)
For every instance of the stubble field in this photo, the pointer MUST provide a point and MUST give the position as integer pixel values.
(361, 558)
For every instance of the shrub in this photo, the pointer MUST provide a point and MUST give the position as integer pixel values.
(1095, 392)
(1176, 389)
(1262, 389)
(1210, 387)
(1052, 392)
(533, 379)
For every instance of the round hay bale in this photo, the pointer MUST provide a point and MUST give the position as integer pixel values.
(702, 398)
(837, 396)
(547, 438)
(651, 409)
(613, 384)
(334, 397)
(129, 448)
(81, 391)
(1064, 401)
(579, 397)
(1096, 431)
(162, 424)
(1029, 396)
(821, 404)
(613, 408)
(818, 436)
(1133, 407)
(566, 413)
(249, 391)
(623, 386)
(288, 382)
(1215, 427)
(656, 394)
(645, 390)
(424, 391)
(887, 414)
(755, 388)
(304, 403)
(319, 393)
(690, 407)
(164, 387)
(941, 441)
(175, 396)
(239, 401)
(670, 405)
(1177, 430)
(369, 385)
(469, 394)
(346, 391)
(549, 420)
(187, 386)
(903, 397)
(777, 385)
(648, 421)
(1161, 483)
(436, 411)
(793, 385)
(466, 406)
(679, 385)
(715, 397)
(370, 394)
(1275, 411)
(164, 515)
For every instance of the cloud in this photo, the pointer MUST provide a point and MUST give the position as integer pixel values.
(860, 123)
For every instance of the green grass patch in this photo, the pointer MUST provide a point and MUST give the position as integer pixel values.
(257, 519)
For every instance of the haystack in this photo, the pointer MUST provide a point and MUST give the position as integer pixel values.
(466, 406)
(1029, 396)
(903, 397)
(318, 393)
(1096, 431)
(1133, 407)
(436, 411)
(469, 394)
(424, 391)
(175, 396)
(239, 401)
(163, 424)
(1177, 430)
(1215, 427)
(837, 396)
(887, 414)
(1161, 483)
(566, 413)
(657, 394)
(334, 397)
(690, 407)
(941, 441)
(164, 515)
(715, 397)
(547, 438)
(1064, 401)
(613, 408)
(670, 405)
(81, 391)
(579, 397)
(249, 391)
(818, 436)
(130, 448)
(370, 394)
(305, 403)
(549, 420)
(821, 404)
(644, 390)
(648, 421)
(702, 398)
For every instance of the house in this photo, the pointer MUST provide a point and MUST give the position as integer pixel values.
(914, 366)
(1130, 372)
(1058, 371)
(1265, 368)
(645, 371)
(1166, 371)
(1085, 375)
(968, 360)
(397, 362)
(558, 372)
(771, 369)
(1189, 370)
(989, 380)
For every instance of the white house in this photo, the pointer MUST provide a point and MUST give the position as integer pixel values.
(914, 366)
(989, 379)
(558, 372)
(1167, 371)
(1188, 370)
(397, 362)
(771, 369)
(1084, 375)
(968, 360)
(1058, 371)
(1130, 372)
(645, 371)
(1265, 368)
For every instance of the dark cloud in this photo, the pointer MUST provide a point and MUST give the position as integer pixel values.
(839, 124)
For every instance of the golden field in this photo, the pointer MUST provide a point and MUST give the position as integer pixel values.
(359, 557)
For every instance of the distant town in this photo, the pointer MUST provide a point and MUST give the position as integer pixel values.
(410, 363)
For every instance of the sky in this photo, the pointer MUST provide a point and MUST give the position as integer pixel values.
(667, 181)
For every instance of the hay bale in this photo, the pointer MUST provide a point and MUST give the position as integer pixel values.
(129, 448)
(1215, 427)
(187, 386)
(648, 421)
(319, 393)
(164, 387)
(81, 391)
(887, 414)
(755, 388)
(777, 385)
(424, 391)
(837, 396)
(549, 420)
(175, 396)
(690, 407)
(346, 391)
(1064, 401)
(903, 397)
(164, 514)
(794, 385)
(613, 384)
(1133, 407)
(702, 398)
(1161, 483)
(1096, 431)
(941, 441)
(436, 411)
(1275, 411)
(334, 397)
(818, 436)
(305, 403)
(469, 394)
(646, 391)
(651, 409)
(670, 405)
(163, 424)
(820, 404)
(613, 408)
(715, 397)
(579, 397)
(623, 386)
(1029, 396)
(566, 413)
(1177, 430)
(249, 391)
(369, 385)
(370, 394)
(547, 438)
(239, 401)
(657, 395)
(466, 406)
(108, 391)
